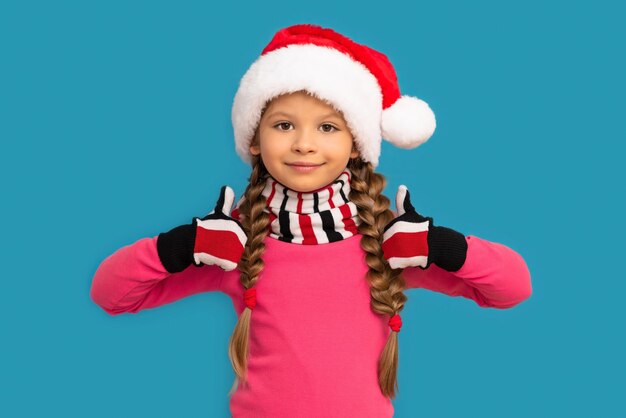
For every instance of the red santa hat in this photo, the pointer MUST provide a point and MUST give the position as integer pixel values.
(353, 78)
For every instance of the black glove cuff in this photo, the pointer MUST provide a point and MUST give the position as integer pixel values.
(447, 248)
(175, 247)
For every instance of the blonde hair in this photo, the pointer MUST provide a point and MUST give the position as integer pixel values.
(386, 284)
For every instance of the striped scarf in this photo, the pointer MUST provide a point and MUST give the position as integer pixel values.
(319, 217)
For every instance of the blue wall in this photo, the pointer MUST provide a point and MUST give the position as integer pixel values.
(115, 125)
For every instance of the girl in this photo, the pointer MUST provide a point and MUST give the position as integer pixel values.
(314, 237)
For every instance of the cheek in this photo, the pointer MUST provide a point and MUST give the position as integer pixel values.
(342, 145)
(273, 148)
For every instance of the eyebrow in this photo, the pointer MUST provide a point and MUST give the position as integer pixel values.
(280, 112)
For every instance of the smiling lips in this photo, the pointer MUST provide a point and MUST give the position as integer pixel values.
(303, 166)
(303, 163)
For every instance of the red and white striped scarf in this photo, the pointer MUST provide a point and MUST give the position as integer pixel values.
(319, 217)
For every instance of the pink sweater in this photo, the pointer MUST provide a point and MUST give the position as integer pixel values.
(314, 341)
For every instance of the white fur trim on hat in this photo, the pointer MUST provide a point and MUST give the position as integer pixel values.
(408, 123)
(324, 72)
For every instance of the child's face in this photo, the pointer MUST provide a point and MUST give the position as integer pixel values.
(297, 127)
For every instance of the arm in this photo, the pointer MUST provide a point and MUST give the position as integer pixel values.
(133, 278)
(493, 275)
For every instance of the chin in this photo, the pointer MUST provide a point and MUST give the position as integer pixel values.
(304, 188)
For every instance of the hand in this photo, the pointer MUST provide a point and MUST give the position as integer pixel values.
(411, 240)
(219, 239)
(405, 238)
(215, 239)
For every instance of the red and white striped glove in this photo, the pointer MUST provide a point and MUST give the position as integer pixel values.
(411, 240)
(215, 239)
(220, 239)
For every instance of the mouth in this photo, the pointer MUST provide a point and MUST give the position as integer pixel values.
(304, 164)
(304, 167)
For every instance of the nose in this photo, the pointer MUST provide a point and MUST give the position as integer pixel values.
(304, 142)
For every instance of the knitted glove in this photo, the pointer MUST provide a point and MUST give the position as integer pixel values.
(411, 240)
(215, 239)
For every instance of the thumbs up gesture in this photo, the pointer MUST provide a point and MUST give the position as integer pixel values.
(411, 240)
(215, 239)
(219, 239)
(405, 238)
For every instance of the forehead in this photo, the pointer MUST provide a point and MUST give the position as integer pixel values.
(302, 99)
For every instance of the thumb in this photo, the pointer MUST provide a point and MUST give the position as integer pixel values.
(403, 200)
(225, 201)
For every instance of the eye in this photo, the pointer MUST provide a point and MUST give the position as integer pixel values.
(328, 125)
(282, 125)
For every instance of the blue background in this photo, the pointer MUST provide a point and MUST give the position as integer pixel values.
(115, 125)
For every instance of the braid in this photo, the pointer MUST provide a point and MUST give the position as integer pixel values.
(386, 284)
(255, 224)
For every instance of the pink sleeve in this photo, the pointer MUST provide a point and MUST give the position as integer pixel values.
(133, 278)
(493, 275)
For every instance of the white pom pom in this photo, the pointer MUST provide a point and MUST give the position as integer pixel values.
(408, 123)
